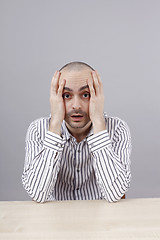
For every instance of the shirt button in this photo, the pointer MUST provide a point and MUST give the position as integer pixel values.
(79, 151)
(58, 144)
(77, 189)
(78, 170)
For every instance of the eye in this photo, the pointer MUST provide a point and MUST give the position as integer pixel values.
(66, 95)
(86, 95)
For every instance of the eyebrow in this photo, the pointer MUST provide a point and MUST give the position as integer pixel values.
(80, 89)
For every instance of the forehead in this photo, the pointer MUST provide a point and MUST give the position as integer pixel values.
(76, 79)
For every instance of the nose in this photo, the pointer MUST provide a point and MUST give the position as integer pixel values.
(76, 103)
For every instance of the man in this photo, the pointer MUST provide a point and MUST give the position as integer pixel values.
(78, 153)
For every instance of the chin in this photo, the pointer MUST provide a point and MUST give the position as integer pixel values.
(77, 124)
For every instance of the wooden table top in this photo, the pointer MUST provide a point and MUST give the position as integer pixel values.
(82, 220)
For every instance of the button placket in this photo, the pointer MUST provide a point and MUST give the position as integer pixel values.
(77, 168)
(78, 157)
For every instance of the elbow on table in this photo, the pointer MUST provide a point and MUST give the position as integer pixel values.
(37, 197)
(114, 200)
(34, 197)
(40, 197)
(38, 201)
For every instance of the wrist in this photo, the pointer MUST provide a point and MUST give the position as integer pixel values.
(55, 126)
(99, 125)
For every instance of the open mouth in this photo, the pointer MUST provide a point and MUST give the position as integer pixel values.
(77, 117)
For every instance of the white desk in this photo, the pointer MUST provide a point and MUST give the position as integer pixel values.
(83, 220)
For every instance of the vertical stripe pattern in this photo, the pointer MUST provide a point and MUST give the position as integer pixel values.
(59, 168)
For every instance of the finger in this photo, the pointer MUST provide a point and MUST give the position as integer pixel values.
(61, 87)
(53, 79)
(100, 82)
(95, 82)
(91, 88)
(98, 76)
(55, 82)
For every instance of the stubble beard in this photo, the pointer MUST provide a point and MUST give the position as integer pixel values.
(80, 124)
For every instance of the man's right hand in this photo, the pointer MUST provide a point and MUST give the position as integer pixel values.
(56, 103)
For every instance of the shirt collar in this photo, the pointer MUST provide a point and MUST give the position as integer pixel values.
(64, 131)
(67, 135)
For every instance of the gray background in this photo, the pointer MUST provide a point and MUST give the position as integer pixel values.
(119, 38)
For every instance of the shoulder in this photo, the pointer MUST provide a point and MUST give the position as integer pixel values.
(40, 121)
(114, 124)
(38, 127)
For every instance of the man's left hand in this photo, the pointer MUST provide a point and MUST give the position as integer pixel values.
(96, 106)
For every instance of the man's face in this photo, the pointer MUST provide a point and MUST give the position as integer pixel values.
(76, 97)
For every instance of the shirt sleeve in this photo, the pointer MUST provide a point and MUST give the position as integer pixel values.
(42, 163)
(112, 161)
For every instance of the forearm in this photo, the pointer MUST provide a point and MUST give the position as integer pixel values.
(41, 165)
(99, 125)
(112, 162)
(55, 126)
(37, 180)
(113, 177)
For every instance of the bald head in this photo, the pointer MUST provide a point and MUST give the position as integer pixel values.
(76, 66)
(76, 74)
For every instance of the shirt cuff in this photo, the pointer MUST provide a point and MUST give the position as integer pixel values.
(99, 141)
(53, 141)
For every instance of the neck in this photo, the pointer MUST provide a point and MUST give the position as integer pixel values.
(79, 133)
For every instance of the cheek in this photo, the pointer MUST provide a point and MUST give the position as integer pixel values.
(86, 106)
(67, 105)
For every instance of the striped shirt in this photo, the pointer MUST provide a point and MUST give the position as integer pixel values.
(59, 168)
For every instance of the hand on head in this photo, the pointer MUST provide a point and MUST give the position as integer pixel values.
(93, 106)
